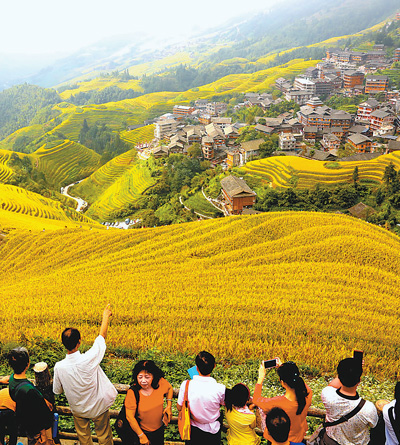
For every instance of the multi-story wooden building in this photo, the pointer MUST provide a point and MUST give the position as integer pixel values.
(324, 117)
(237, 195)
(314, 102)
(361, 143)
(352, 78)
(233, 158)
(181, 111)
(376, 84)
(250, 149)
(396, 57)
(231, 135)
(207, 146)
(380, 118)
(216, 108)
(164, 127)
(366, 108)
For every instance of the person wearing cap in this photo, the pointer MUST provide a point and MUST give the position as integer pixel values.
(295, 402)
(32, 412)
(89, 392)
(340, 398)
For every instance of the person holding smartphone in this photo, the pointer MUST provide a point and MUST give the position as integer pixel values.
(295, 402)
(147, 416)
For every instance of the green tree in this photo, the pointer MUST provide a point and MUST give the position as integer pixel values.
(355, 175)
(194, 150)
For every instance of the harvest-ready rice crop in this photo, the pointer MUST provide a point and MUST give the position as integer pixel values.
(296, 285)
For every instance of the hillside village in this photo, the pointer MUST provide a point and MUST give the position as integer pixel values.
(315, 131)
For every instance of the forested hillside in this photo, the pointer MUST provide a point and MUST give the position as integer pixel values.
(20, 104)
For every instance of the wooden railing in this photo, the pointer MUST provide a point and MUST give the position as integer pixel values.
(122, 389)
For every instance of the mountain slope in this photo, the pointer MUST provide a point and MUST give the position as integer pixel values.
(300, 286)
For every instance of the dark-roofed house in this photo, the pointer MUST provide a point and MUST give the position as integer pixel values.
(159, 152)
(361, 211)
(318, 155)
(250, 149)
(265, 129)
(361, 143)
(379, 118)
(393, 146)
(311, 133)
(231, 134)
(330, 141)
(375, 84)
(237, 194)
(207, 145)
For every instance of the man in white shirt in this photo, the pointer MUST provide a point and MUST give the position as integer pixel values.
(340, 398)
(88, 390)
(205, 398)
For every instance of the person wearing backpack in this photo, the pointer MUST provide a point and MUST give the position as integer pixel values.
(32, 411)
(391, 417)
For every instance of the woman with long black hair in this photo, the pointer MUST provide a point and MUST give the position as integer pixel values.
(295, 402)
(391, 416)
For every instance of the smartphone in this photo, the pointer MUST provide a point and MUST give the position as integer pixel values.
(270, 363)
(358, 355)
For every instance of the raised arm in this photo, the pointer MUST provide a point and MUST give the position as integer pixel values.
(107, 313)
(335, 383)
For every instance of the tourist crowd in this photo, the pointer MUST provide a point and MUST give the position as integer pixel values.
(147, 406)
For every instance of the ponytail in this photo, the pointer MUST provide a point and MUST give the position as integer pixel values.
(301, 392)
(289, 373)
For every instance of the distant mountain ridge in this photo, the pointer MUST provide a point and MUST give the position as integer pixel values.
(283, 26)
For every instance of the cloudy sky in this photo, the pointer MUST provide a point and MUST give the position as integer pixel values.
(49, 26)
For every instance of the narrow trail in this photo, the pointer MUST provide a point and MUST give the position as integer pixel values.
(81, 204)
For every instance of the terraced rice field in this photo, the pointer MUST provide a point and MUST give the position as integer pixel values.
(97, 183)
(15, 200)
(32, 132)
(99, 84)
(296, 285)
(5, 170)
(280, 171)
(65, 162)
(122, 192)
(134, 137)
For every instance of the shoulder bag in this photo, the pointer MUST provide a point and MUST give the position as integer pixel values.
(122, 425)
(184, 416)
(319, 437)
(395, 426)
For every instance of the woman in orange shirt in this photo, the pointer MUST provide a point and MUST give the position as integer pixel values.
(295, 402)
(148, 417)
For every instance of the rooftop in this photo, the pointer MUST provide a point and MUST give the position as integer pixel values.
(235, 186)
